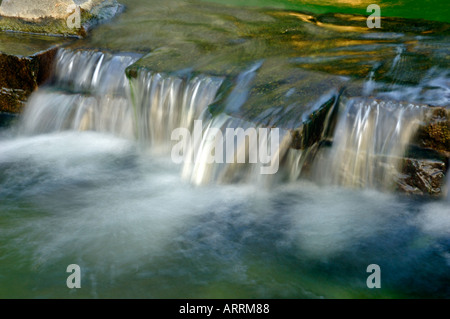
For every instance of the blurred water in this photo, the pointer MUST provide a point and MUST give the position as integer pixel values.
(138, 230)
(86, 177)
(370, 139)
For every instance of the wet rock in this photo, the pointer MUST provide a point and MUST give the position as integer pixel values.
(427, 161)
(276, 93)
(435, 133)
(421, 177)
(25, 63)
(425, 174)
(62, 17)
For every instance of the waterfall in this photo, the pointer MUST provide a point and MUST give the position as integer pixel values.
(242, 152)
(49, 111)
(92, 71)
(163, 103)
(370, 138)
(89, 91)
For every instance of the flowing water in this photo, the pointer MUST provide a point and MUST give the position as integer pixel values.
(370, 137)
(87, 178)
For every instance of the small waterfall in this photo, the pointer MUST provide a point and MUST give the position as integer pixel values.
(166, 103)
(163, 103)
(49, 111)
(89, 91)
(231, 150)
(370, 138)
(298, 161)
(95, 72)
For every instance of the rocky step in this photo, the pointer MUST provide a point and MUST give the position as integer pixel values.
(26, 61)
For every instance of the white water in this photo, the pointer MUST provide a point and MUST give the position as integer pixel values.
(164, 103)
(80, 188)
(100, 100)
(370, 139)
(228, 169)
(95, 72)
(89, 92)
(137, 229)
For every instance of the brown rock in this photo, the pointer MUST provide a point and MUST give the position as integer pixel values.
(435, 133)
(422, 176)
(25, 63)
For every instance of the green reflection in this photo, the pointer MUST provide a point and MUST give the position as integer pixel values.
(437, 10)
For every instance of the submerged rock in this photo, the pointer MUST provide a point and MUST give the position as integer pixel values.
(62, 17)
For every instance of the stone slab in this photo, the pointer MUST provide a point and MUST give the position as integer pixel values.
(25, 63)
(55, 16)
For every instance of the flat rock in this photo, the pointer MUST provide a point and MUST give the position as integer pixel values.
(52, 16)
(25, 63)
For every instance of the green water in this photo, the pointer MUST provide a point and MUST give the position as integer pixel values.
(437, 10)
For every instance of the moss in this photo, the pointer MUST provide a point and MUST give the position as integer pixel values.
(439, 134)
(435, 134)
(46, 26)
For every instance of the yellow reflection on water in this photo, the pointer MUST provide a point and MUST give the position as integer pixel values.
(334, 27)
(349, 3)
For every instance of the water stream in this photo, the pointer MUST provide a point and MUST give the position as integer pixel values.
(86, 175)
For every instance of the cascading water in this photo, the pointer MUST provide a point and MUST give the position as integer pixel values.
(164, 103)
(232, 150)
(90, 181)
(371, 137)
(97, 97)
(89, 92)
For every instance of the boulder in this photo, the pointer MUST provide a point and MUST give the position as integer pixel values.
(55, 16)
